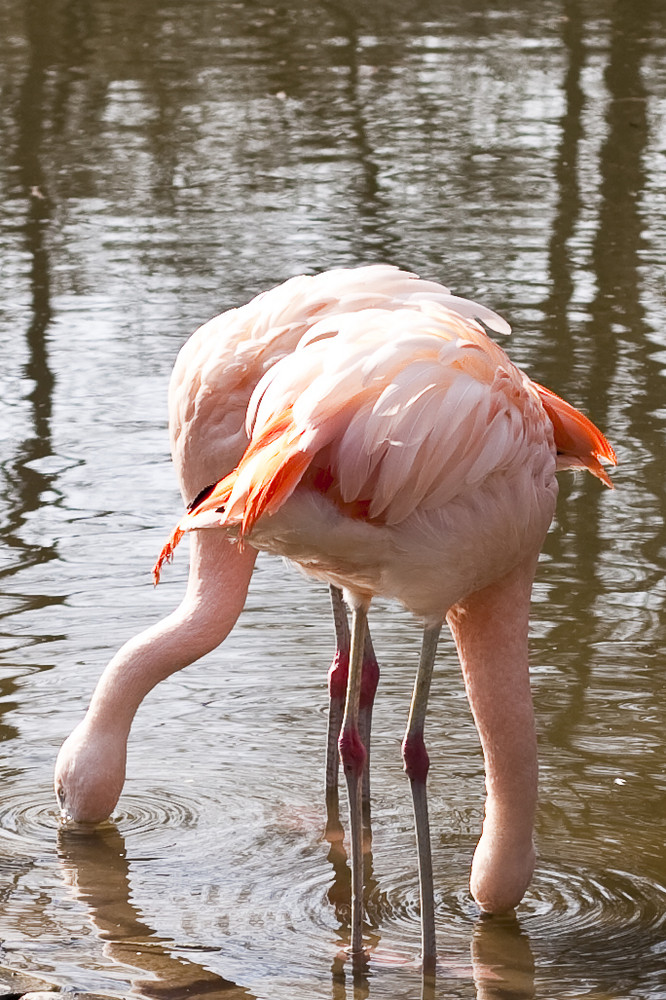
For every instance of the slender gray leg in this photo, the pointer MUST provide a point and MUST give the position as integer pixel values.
(337, 687)
(352, 755)
(337, 691)
(369, 682)
(417, 763)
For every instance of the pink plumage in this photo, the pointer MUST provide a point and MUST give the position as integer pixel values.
(362, 423)
(398, 451)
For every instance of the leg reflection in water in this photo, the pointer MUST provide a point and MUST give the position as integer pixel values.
(339, 895)
(502, 964)
(502, 968)
(96, 866)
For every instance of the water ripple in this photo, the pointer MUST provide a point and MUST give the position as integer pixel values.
(152, 812)
(26, 820)
(613, 921)
(574, 900)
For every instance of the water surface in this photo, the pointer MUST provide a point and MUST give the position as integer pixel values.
(161, 162)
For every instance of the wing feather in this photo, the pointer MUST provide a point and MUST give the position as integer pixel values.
(398, 404)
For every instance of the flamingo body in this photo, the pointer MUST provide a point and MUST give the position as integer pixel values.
(362, 424)
(399, 452)
(219, 367)
(213, 378)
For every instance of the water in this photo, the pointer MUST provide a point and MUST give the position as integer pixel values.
(161, 163)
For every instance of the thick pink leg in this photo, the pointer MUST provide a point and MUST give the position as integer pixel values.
(417, 763)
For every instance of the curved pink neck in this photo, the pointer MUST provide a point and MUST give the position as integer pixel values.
(490, 629)
(216, 590)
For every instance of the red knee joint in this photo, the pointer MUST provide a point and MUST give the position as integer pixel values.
(415, 757)
(338, 674)
(352, 751)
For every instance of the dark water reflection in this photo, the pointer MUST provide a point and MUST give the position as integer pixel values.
(96, 864)
(161, 162)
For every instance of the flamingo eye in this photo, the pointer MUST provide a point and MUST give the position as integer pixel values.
(62, 798)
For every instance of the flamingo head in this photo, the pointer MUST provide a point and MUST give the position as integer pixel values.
(89, 775)
(501, 870)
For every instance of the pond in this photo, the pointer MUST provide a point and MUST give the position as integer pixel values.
(161, 162)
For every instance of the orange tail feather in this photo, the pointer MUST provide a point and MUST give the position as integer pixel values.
(579, 443)
(166, 555)
(211, 498)
(278, 465)
(273, 481)
(270, 492)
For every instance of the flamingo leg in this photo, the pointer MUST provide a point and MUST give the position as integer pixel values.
(352, 755)
(337, 690)
(417, 763)
(337, 687)
(369, 682)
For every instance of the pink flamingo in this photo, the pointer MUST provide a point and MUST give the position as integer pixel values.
(394, 449)
(212, 381)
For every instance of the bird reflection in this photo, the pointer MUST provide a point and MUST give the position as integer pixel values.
(502, 960)
(339, 894)
(502, 963)
(502, 967)
(95, 865)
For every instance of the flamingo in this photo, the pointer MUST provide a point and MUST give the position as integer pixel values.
(401, 453)
(389, 447)
(213, 378)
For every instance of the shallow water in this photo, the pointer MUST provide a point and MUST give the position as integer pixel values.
(159, 163)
